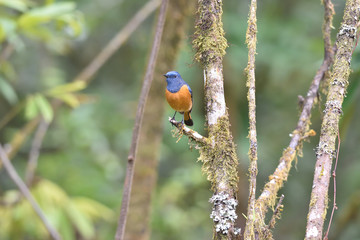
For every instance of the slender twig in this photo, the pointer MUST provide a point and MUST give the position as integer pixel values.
(21, 135)
(276, 213)
(138, 119)
(195, 136)
(117, 41)
(268, 195)
(27, 194)
(325, 151)
(250, 70)
(334, 196)
(35, 151)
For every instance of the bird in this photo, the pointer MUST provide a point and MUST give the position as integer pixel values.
(179, 96)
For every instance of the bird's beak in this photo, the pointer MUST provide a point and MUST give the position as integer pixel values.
(164, 75)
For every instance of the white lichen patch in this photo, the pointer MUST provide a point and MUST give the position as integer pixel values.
(223, 213)
(313, 216)
(313, 232)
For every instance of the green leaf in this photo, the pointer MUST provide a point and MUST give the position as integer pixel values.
(45, 14)
(93, 209)
(69, 99)
(8, 91)
(7, 27)
(65, 228)
(31, 109)
(67, 88)
(82, 223)
(44, 107)
(74, 23)
(19, 5)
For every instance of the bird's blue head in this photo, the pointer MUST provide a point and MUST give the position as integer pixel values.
(174, 81)
(172, 76)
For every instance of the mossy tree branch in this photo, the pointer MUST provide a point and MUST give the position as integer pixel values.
(218, 157)
(325, 152)
(191, 134)
(267, 198)
(250, 70)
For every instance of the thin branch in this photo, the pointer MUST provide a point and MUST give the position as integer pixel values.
(138, 119)
(325, 152)
(193, 135)
(20, 137)
(27, 194)
(334, 178)
(35, 151)
(117, 41)
(277, 212)
(268, 195)
(250, 69)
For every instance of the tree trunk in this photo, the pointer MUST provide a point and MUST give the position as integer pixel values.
(218, 156)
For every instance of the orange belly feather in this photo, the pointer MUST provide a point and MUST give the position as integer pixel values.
(180, 101)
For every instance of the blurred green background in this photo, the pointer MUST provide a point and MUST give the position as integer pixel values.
(83, 158)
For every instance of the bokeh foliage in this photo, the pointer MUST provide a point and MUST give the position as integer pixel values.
(84, 153)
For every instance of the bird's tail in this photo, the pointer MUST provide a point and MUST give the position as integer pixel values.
(187, 119)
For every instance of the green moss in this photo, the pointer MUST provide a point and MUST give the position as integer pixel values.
(219, 159)
(209, 41)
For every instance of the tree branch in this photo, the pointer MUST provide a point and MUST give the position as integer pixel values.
(250, 70)
(268, 196)
(219, 159)
(193, 135)
(27, 194)
(330, 125)
(334, 200)
(139, 115)
(35, 151)
(277, 212)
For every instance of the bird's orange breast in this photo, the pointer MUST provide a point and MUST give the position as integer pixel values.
(180, 101)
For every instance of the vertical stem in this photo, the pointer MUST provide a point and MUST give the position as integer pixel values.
(268, 196)
(219, 158)
(138, 120)
(250, 70)
(330, 124)
(35, 151)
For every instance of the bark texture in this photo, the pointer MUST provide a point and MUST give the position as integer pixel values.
(330, 125)
(250, 70)
(218, 156)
